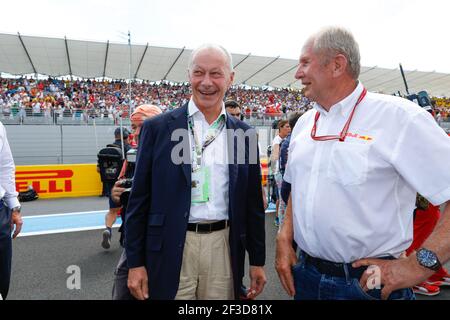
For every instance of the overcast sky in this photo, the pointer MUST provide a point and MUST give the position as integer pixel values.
(412, 32)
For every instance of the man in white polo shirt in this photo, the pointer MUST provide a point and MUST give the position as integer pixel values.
(355, 164)
(10, 217)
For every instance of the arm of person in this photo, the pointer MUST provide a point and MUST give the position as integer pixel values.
(429, 176)
(16, 223)
(138, 283)
(439, 240)
(7, 180)
(274, 157)
(285, 191)
(405, 273)
(117, 190)
(136, 217)
(265, 204)
(255, 232)
(285, 257)
(258, 280)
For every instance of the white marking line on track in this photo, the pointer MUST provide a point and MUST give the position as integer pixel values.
(55, 231)
(64, 214)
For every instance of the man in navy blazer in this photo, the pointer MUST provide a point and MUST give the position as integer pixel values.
(190, 217)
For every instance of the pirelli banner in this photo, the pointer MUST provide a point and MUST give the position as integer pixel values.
(264, 170)
(60, 181)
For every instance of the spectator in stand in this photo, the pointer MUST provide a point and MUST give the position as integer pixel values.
(114, 94)
(37, 108)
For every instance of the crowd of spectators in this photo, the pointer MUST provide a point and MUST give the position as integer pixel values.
(442, 106)
(99, 99)
(24, 97)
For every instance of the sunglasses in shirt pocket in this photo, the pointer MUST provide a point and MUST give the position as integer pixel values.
(349, 163)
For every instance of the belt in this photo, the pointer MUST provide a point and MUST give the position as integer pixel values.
(207, 227)
(337, 269)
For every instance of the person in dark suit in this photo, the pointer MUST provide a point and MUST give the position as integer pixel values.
(196, 203)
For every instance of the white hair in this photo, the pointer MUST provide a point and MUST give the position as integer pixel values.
(337, 40)
(209, 46)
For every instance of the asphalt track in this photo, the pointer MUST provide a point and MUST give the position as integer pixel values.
(40, 262)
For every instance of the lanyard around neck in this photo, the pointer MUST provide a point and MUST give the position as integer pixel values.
(343, 134)
(213, 132)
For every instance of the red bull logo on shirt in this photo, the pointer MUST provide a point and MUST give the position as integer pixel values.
(357, 136)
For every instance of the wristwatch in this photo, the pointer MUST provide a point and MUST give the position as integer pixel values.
(18, 208)
(428, 259)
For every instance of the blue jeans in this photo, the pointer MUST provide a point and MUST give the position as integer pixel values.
(312, 285)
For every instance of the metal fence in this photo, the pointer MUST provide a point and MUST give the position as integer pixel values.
(55, 119)
(445, 124)
(57, 144)
(255, 119)
(69, 140)
(70, 144)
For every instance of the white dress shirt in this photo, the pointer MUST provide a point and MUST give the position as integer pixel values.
(215, 156)
(7, 172)
(355, 199)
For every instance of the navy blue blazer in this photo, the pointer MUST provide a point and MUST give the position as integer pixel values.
(160, 200)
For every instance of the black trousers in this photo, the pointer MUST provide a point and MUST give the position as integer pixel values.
(120, 287)
(5, 249)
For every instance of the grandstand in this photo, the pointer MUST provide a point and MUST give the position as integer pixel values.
(78, 87)
(55, 57)
(56, 101)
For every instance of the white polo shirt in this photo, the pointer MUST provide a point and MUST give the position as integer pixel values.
(275, 164)
(215, 156)
(355, 199)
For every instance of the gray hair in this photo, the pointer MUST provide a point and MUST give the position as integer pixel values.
(337, 40)
(213, 47)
